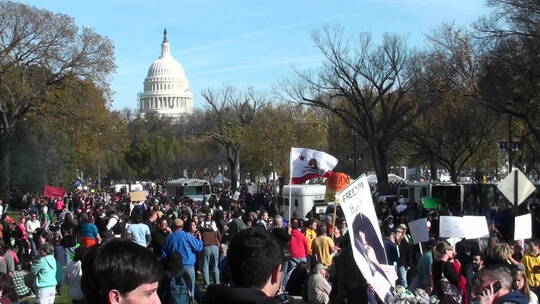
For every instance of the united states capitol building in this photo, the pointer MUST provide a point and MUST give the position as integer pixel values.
(166, 87)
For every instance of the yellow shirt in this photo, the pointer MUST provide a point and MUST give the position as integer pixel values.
(322, 249)
(310, 236)
(530, 261)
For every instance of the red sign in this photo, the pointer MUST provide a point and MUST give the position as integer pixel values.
(53, 192)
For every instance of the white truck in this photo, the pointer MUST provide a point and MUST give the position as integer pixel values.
(304, 197)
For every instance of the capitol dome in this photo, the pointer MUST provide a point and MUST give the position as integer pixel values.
(166, 87)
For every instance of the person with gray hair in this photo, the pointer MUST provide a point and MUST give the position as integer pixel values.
(494, 285)
(45, 271)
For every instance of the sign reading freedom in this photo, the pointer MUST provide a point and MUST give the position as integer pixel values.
(365, 235)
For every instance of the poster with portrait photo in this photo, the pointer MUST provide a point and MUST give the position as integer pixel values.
(366, 237)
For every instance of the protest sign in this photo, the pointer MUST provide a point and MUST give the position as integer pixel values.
(451, 227)
(523, 227)
(431, 202)
(419, 230)
(475, 227)
(53, 192)
(137, 196)
(366, 239)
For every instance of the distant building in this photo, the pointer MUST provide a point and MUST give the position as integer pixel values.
(166, 87)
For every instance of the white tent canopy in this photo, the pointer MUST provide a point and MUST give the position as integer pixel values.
(220, 179)
(372, 178)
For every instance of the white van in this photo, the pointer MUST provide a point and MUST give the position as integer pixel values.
(196, 189)
(304, 197)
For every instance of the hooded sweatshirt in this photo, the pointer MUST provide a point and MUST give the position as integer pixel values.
(513, 297)
(45, 271)
(298, 245)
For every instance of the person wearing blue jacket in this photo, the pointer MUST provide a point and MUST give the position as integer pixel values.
(186, 245)
(45, 271)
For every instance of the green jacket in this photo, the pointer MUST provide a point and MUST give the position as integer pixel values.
(45, 272)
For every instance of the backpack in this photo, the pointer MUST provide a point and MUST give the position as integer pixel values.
(180, 289)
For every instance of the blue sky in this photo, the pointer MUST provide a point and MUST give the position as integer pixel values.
(240, 42)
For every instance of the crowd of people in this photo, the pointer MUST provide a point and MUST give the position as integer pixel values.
(109, 249)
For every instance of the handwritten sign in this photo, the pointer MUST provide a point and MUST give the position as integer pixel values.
(419, 230)
(475, 227)
(451, 227)
(137, 196)
(523, 227)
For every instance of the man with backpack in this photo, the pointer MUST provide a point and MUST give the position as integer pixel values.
(176, 285)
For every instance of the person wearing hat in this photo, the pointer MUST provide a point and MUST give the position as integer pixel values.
(186, 245)
(318, 286)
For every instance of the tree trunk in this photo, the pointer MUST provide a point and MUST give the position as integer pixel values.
(453, 174)
(433, 170)
(4, 175)
(233, 157)
(379, 156)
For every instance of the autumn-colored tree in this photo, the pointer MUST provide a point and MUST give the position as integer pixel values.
(268, 140)
(38, 51)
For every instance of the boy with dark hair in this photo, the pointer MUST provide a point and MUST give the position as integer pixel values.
(254, 258)
(120, 272)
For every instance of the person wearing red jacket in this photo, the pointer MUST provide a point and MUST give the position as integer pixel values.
(298, 246)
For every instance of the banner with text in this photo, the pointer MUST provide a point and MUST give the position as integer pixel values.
(366, 239)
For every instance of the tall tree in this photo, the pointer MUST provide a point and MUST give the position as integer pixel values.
(367, 86)
(287, 126)
(38, 51)
(230, 113)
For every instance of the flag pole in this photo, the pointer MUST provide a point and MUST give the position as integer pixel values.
(334, 218)
(290, 187)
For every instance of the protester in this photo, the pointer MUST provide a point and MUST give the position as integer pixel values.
(494, 286)
(444, 275)
(73, 276)
(186, 245)
(531, 261)
(520, 284)
(120, 272)
(45, 272)
(210, 254)
(323, 247)
(89, 233)
(423, 269)
(254, 258)
(318, 286)
(138, 231)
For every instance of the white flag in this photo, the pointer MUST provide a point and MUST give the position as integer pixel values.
(307, 164)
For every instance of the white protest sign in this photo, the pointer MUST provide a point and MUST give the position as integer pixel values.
(366, 239)
(523, 227)
(419, 230)
(451, 227)
(525, 186)
(475, 227)
(236, 195)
